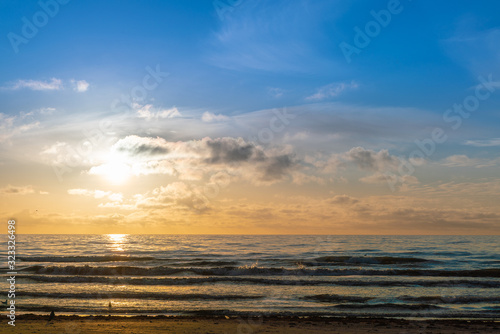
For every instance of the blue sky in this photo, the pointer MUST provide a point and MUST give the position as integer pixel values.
(231, 65)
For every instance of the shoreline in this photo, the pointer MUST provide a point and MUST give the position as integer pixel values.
(32, 323)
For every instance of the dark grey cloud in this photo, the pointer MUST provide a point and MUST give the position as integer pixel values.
(276, 168)
(370, 160)
(134, 145)
(229, 150)
(237, 152)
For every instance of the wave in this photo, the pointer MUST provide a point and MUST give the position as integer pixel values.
(420, 299)
(452, 299)
(121, 258)
(385, 260)
(108, 258)
(300, 281)
(391, 306)
(251, 271)
(137, 295)
(387, 310)
(337, 298)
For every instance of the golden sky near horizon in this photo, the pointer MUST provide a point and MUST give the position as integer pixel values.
(227, 185)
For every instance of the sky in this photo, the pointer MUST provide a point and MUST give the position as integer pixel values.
(250, 116)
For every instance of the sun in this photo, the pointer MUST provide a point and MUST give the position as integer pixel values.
(117, 172)
(115, 169)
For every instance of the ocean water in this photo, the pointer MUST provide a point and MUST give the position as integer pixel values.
(369, 276)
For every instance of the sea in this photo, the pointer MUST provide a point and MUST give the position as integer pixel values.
(258, 275)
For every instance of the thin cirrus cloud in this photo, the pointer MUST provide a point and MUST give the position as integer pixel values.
(484, 143)
(149, 112)
(461, 160)
(53, 84)
(273, 36)
(14, 125)
(332, 90)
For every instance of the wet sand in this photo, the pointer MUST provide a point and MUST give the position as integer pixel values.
(189, 325)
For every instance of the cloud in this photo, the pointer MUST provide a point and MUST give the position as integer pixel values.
(273, 36)
(276, 168)
(64, 154)
(194, 159)
(464, 161)
(474, 49)
(176, 194)
(135, 145)
(383, 167)
(14, 190)
(332, 90)
(390, 178)
(47, 111)
(343, 200)
(80, 86)
(458, 161)
(53, 84)
(97, 194)
(11, 126)
(275, 92)
(371, 160)
(149, 112)
(228, 150)
(209, 117)
(484, 143)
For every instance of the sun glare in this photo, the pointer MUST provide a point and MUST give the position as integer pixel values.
(117, 241)
(116, 172)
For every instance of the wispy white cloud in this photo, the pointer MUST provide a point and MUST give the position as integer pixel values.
(332, 90)
(149, 112)
(275, 92)
(46, 111)
(273, 36)
(80, 86)
(461, 160)
(474, 48)
(209, 117)
(11, 126)
(53, 84)
(484, 143)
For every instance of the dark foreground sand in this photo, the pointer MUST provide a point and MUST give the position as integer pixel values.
(143, 324)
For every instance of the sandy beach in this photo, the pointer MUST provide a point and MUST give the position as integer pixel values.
(160, 324)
